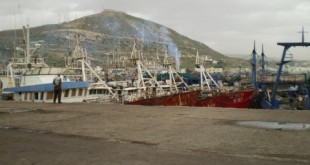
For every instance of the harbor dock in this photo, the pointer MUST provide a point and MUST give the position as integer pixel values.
(84, 133)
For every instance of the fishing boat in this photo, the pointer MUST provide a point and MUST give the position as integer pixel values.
(238, 99)
(218, 96)
(29, 78)
(151, 92)
(78, 68)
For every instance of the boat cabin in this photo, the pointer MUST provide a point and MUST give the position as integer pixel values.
(72, 91)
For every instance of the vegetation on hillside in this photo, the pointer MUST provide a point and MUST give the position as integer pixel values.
(111, 33)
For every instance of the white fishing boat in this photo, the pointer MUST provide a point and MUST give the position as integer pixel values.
(78, 67)
(29, 78)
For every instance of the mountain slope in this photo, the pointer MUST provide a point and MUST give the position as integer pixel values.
(113, 32)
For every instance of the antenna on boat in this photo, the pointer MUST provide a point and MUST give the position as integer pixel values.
(21, 19)
(254, 49)
(15, 36)
(27, 43)
(302, 35)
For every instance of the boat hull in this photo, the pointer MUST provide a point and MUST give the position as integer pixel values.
(240, 99)
(180, 99)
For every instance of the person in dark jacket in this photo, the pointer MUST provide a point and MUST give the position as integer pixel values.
(57, 88)
(1, 85)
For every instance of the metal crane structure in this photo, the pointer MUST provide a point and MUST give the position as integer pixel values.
(274, 103)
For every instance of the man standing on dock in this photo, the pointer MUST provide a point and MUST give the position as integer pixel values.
(1, 85)
(57, 88)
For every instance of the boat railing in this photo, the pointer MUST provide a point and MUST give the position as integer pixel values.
(37, 60)
(24, 60)
(131, 97)
(246, 87)
(18, 60)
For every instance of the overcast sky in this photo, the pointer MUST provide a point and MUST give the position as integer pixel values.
(228, 26)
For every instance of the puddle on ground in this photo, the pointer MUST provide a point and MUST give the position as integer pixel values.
(276, 125)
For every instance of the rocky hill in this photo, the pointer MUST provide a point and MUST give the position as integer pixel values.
(112, 32)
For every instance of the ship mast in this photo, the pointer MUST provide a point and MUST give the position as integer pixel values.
(135, 58)
(253, 80)
(263, 76)
(302, 35)
(173, 84)
(80, 56)
(203, 74)
(27, 44)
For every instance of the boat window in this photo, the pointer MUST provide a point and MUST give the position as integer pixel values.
(80, 92)
(30, 96)
(49, 95)
(36, 96)
(66, 93)
(42, 95)
(73, 92)
(25, 96)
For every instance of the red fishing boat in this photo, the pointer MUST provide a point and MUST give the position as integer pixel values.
(239, 99)
(169, 94)
(180, 99)
(219, 98)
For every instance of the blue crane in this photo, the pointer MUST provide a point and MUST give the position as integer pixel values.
(284, 60)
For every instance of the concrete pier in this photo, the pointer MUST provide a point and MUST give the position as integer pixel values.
(84, 133)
